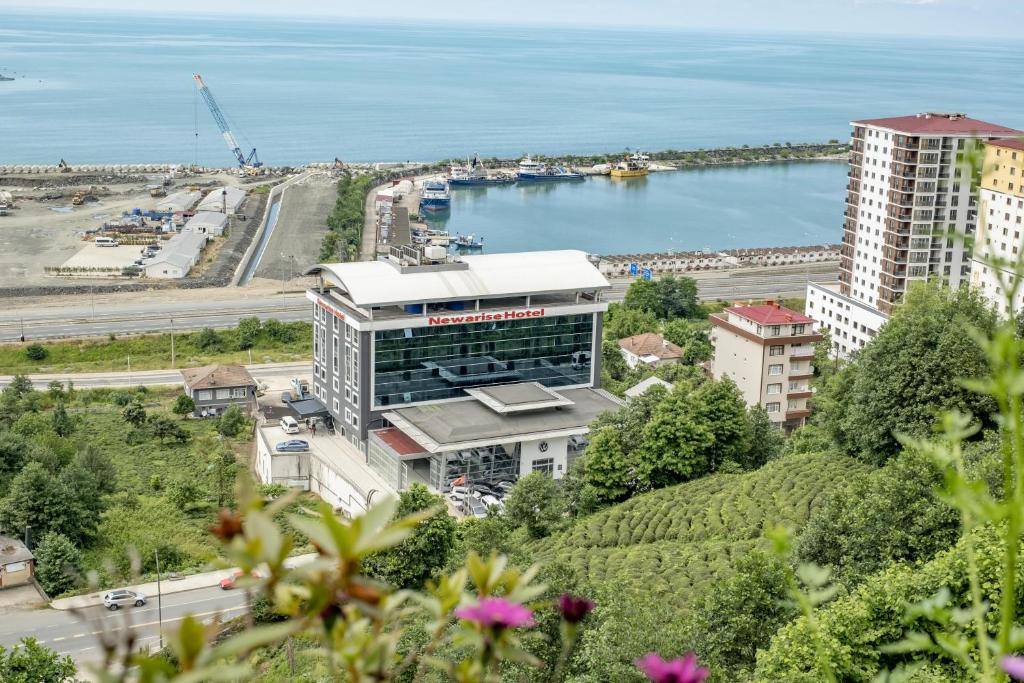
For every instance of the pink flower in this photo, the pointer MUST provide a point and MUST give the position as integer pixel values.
(679, 670)
(574, 609)
(1013, 666)
(497, 612)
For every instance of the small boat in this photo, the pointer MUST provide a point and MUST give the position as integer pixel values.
(468, 242)
(474, 173)
(428, 236)
(436, 195)
(5, 78)
(534, 171)
(632, 166)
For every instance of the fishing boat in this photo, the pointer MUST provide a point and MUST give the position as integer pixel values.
(436, 196)
(474, 173)
(534, 171)
(632, 166)
(468, 242)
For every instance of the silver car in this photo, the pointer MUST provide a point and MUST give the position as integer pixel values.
(115, 599)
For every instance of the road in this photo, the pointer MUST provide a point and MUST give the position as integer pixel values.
(80, 318)
(275, 375)
(72, 635)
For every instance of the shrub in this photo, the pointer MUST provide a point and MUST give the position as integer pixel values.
(183, 405)
(232, 422)
(36, 352)
(208, 340)
(134, 414)
(58, 563)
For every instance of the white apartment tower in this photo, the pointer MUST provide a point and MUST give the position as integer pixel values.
(906, 193)
(998, 244)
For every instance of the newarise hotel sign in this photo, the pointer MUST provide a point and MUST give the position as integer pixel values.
(519, 314)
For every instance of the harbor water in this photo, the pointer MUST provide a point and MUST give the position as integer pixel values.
(723, 207)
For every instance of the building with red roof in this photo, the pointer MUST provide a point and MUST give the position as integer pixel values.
(767, 351)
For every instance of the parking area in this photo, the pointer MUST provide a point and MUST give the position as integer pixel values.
(91, 256)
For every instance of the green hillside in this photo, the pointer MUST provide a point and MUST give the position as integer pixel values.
(678, 540)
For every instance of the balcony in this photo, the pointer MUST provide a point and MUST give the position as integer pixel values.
(904, 157)
(802, 353)
(803, 393)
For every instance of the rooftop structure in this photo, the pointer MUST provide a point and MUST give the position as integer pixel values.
(177, 256)
(179, 201)
(643, 386)
(225, 199)
(207, 222)
(649, 348)
(937, 123)
(216, 376)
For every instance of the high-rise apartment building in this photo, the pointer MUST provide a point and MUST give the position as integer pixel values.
(1000, 224)
(906, 196)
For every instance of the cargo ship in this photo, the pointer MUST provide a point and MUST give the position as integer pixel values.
(474, 174)
(534, 171)
(436, 196)
(632, 166)
(5, 78)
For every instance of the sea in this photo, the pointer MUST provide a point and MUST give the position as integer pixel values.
(118, 88)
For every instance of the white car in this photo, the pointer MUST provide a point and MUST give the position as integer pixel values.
(491, 500)
(289, 425)
(122, 597)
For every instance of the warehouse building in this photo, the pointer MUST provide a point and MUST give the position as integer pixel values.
(211, 223)
(225, 199)
(177, 256)
(474, 368)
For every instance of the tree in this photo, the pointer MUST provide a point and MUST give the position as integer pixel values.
(58, 563)
(535, 503)
(667, 297)
(184, 493)
(166, 429)
(232, 422)
(740, 615)
(910, 373)
(56, 390)
(719, 404)
(36, 499)
(30, 662)
(692, 338)
(183, 405)
(14, 453)
(891, 514)
(425, 552)
(621, 322)
(248, 332)
(220, 464)
(36, 352)
(208, 340)
(134, 414)
(62, 423)
(609, 470)
(766, 440)
(278, 331)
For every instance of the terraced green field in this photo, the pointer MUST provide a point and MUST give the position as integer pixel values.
(674, 542)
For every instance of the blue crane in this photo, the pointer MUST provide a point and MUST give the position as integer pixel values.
(251, 161)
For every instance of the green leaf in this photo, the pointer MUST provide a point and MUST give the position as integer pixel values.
(253, 638)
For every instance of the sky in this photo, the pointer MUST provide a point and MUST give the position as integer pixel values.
(966, 18)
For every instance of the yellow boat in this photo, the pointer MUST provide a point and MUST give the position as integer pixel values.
(633, 166)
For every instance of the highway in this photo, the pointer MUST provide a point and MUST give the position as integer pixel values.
(80, 318)
(78, 635)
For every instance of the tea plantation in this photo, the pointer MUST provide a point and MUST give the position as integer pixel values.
(676, 542)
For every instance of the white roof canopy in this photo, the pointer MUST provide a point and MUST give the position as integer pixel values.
(377, 283)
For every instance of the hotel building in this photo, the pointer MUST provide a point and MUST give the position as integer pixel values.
(1000, 225)
(907, 195)
(478, 367)
(767, 351)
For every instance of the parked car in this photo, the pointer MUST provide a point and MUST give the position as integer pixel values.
(228, 582)
(121, 597)
(491, 500)
(472, 506)
(292, 446)
(289, 425)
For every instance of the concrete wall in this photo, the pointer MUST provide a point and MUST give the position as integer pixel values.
(557, 449)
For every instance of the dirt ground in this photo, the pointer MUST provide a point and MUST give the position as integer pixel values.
(301, 225)
(45, 229)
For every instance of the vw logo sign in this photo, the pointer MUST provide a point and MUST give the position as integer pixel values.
(542, 447)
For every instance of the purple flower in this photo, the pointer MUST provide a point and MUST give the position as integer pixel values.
(497, 612)
(679, 670)
(573, 609)
(1013, 666)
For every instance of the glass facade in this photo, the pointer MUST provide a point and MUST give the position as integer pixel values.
(434, 363)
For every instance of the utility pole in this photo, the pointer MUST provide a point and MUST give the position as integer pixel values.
(172, 342)
(129, 371)
(22, 329)
(159, 598)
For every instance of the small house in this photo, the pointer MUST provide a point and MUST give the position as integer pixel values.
(650, 349)
(215, 387)
(17, 565)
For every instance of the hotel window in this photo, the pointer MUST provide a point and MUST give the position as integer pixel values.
(334, 354)
(348, 415)
(355, 368)
(334, 383)
(348, 333)
(348, 395)
(772, 407)
(355, 399)
(774, 389)
(334, 322)
(337, 407)
(775, 369)
(777, 350)
(545, 465)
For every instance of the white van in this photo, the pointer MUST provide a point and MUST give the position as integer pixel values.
(289, 425)
(106, 242)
